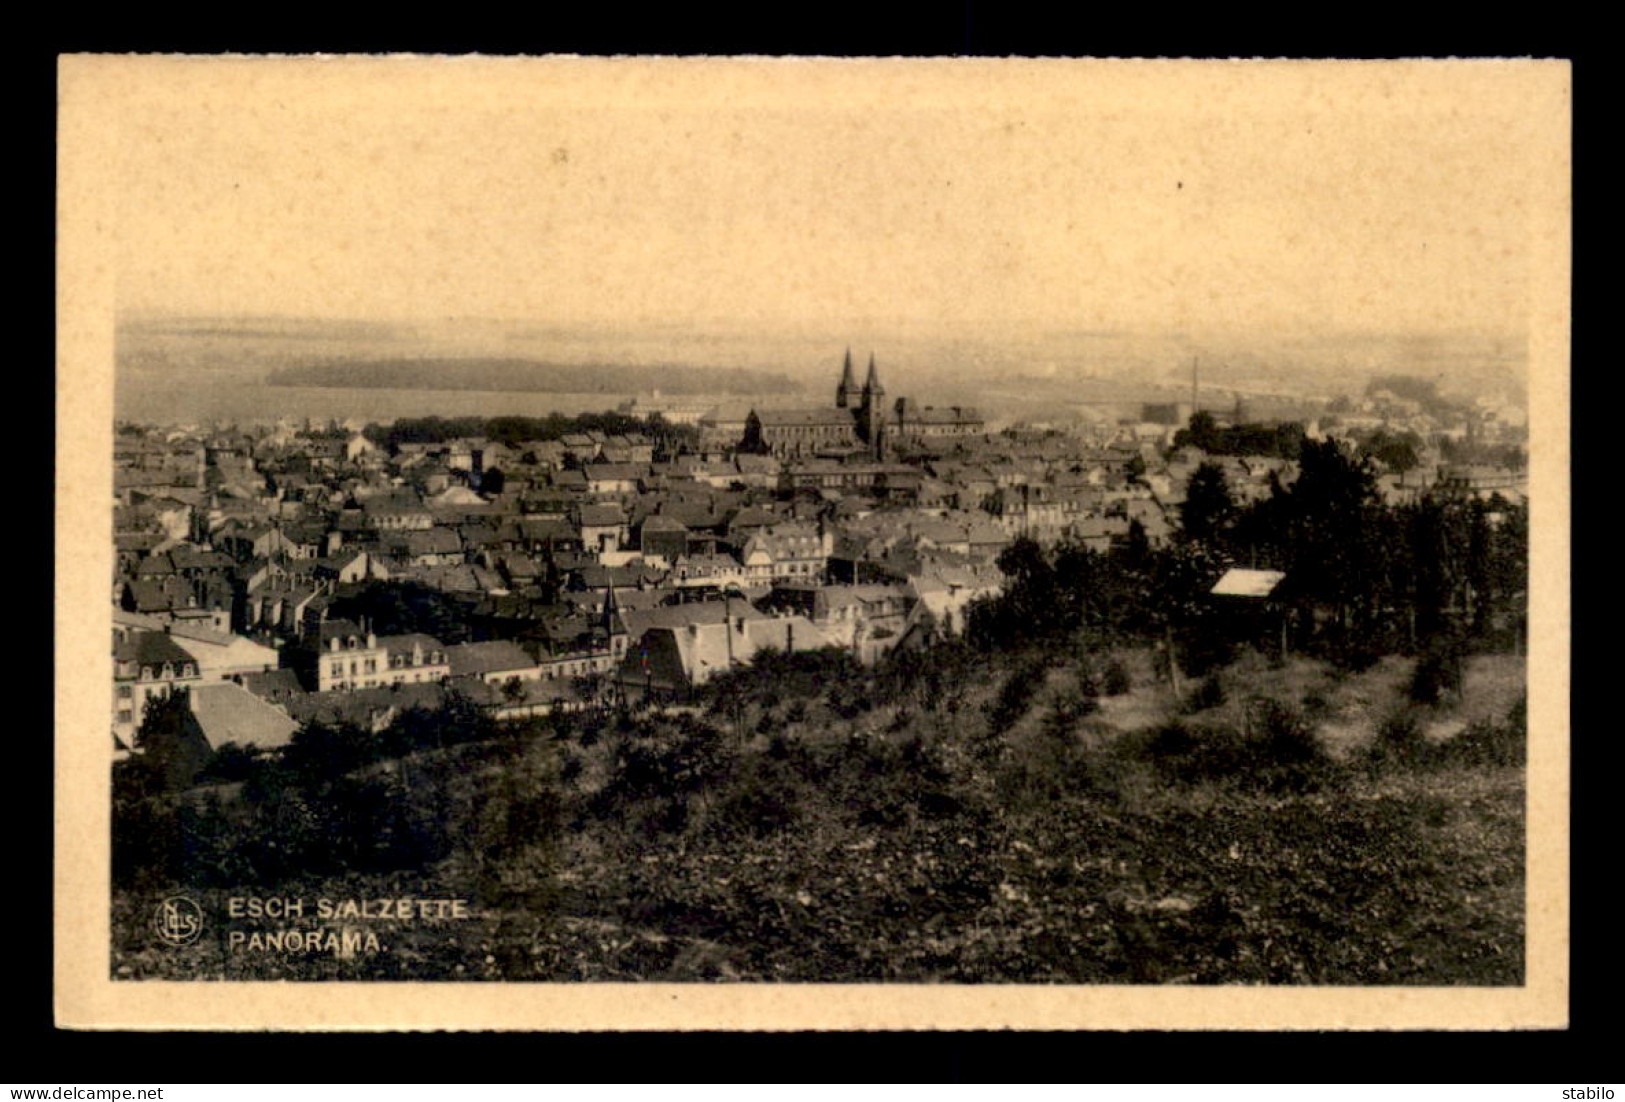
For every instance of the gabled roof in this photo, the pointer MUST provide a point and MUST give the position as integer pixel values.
(541, 529)
(386, 504)
(628, 472)
(1240, 582)
(433, 541)
(277, 686)
(660, 522)
(794, 418)
(476, 659)
(639, 621)
(151, 648)
(228, 712)
(404, 644)
(602, 516)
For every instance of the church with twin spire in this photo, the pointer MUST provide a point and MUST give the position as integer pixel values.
(859, 422)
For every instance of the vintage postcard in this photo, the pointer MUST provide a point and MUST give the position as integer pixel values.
(792, 543)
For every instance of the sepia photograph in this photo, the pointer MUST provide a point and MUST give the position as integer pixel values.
(812, 533)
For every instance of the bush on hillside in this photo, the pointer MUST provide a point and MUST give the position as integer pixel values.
(1276, 751)
(1438, 676)
(1115, 680)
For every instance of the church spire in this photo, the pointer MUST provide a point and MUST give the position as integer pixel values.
(871, 414)
(871, 385)
(849, 385)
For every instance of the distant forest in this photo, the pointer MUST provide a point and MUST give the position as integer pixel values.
(530, 375)
(517, 431)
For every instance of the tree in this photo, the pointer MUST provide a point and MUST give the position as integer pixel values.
(171, 742)
(1328, 517)
(493, 481)
(1396, 451)
(1031, 592)
(406, 607)
(1201, 432)
(1208, 508)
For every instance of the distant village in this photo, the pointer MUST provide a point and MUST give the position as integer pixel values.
(255, 565)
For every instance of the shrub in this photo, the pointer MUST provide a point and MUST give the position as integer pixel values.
(1116, 681)
(1276, 752)
(762, 804)
(232, 763)
(570, 767)
(1490, 743)
(1209, 693)
(1352, 656)
(1015, 696)
(1399, 741)
(1438, 675)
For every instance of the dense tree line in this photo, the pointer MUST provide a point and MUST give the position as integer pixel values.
(1281, 441)
(1362, 578)
(529, 376)
(516, 431)
(405, 608)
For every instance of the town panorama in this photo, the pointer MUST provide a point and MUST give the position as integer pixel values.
(851, 685)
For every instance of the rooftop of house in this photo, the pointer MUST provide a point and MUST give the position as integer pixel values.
(277, 686)
(151, 648)
(412, 641)
(629, 472)
(477, 659)
(229, 713)
(639, 621)
(1242, 582)
(601, 516)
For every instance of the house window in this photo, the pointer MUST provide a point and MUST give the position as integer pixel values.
(125, 692)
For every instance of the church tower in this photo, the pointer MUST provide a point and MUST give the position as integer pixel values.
(848, 387)
(872, 413)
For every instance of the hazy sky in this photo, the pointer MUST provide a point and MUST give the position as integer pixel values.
(1096, 197)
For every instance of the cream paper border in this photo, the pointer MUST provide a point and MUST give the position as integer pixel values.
(100, 94)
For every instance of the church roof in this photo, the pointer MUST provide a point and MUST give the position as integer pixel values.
(788, 418)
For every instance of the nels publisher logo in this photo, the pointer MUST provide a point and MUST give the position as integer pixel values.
(178, 920)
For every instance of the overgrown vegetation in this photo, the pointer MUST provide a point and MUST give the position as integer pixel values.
(1018, 833)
